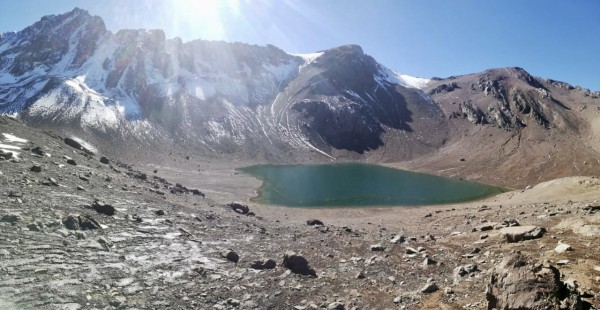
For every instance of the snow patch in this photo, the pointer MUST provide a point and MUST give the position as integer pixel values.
(13, 139)
(308, 58)
(283, 72)
(401, 79)
(5, 147)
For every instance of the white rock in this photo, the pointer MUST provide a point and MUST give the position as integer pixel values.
(562, 247)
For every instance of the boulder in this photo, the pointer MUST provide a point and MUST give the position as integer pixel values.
(521, 233)
(298, 265)
(517, 283)
(77, 145)
(71, 162)
(36, 168)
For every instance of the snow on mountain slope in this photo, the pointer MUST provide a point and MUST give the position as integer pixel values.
(69, 70)
(402, 79)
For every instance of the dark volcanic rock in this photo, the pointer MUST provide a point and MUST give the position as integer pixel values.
(516, 283)
(159, 212)
(71, 222)
(231, 256)
(197, 192)
(138, 175)
(298, 264)
(71, 162)
(38, 151)
(11, 218)
(36, 168)
(72, 143)
(314, 222)
(85, 222)
(239, 208)
(103, 208)
(261, 265)
(104, 160)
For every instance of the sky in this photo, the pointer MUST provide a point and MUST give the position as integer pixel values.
(425, 38)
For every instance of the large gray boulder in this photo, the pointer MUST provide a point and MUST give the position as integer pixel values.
(521, 233)
(517, 283)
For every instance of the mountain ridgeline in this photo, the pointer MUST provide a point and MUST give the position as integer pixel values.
(68, 73)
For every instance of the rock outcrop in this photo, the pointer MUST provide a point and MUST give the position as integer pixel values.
(519, 283)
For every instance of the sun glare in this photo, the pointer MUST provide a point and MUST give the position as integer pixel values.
(203, 18)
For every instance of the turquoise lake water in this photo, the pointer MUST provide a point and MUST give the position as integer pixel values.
(341, 185)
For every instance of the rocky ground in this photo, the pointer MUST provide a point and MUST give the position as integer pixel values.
(79, 231)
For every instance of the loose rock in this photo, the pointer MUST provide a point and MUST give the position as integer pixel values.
(562, 247)
(429, 287)
(239, 208)
(103, 208)
(521, 233)
(104, 160)
(398, 239)
(261, 265)
(298, 264)
(314, 222)
(336, 306)
(231, 256)
(377, 247)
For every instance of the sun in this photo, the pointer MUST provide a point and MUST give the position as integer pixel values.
(202, 18)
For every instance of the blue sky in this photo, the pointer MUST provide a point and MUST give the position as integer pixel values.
(425, 38)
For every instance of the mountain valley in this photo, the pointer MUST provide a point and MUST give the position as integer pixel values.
(120, 188)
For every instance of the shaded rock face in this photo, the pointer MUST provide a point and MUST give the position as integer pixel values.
(357, 102)
(517, 283)
(514, 107)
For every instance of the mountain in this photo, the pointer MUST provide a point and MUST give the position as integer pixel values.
(68, 73)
